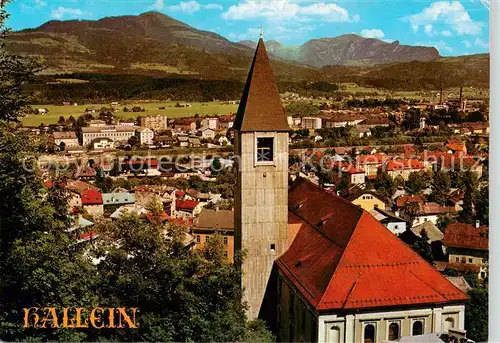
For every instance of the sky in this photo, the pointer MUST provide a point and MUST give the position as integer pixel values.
(453, 27)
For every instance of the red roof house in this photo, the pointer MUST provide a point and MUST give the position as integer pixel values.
(343, 259)
(466, 236)
(91, 197)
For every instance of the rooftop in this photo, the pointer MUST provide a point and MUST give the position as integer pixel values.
(343, 259)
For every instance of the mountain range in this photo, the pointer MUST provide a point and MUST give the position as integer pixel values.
(349, 49)
(158, 45)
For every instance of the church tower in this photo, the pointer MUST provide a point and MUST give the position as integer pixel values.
(261, 196)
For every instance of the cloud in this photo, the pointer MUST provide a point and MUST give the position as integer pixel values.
(191, 6)
(467, 43)
(482, 44)
(288, 10)
(158, 5)
(213, 7)
(450, 13)
(62, 12)
(372, 33)
(282, 32)
(186, 7)
(428, 29)
(40, 3)
(440, 45)
(446, 33)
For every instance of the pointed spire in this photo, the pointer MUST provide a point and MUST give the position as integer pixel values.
(260, 106)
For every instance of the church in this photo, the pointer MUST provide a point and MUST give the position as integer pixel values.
(318, 268)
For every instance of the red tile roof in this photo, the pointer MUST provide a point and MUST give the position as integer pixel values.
(466, 236)
(342, 258)
(186, 204)
(373, 159)
(91, 197)
(403, 199)
(402, 164)
(260, 106)
(434, 208)
(350, 169)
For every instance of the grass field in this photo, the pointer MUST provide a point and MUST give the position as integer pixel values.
(152, 109)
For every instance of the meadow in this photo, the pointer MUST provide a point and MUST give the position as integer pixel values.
(151, 109)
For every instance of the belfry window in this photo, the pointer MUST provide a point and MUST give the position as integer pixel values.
(265, 147)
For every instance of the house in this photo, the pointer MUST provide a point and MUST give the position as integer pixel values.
(226, 122)
(342, 121)
(155, 123)
(432, 231)
(210, 223)
(92, 202)
(211, 123)
(186, 208)
(354, 175)
(371, 163)
(194, 142)
(403, 199)
(390, 220)
(377, 122)
(467, 247)
(347, 278)
(207, 133)
(114, 132)
(402, 167)
(102, 143)
(85, 173)
(431, 211)
(68, 138)
(364, 131)
(366, 199)
(313, 123)
(118, 199)
(145, 135)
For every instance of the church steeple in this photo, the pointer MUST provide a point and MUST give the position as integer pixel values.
(261, 194)
(260, 107)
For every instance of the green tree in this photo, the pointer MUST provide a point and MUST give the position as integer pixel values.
(483, 206)
(422, 247)
(62, 146)
(467, 213)
(216, 166)
(133, 141)
(415, 183)
(301, 109)
(102, 182)
(384, 185)
(476, 315)
(440, 187)
(411, 210)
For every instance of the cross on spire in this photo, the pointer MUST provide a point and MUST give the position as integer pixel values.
(261, 31)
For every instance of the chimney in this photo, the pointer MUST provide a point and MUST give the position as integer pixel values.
(396, 213)
(477, 223)
(441, 96)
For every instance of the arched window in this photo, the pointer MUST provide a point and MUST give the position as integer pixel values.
(418, 328)
(393, 331)
(334, 334)
(369, 334)
(449, 323)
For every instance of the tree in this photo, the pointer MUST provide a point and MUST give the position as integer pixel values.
(476, 117)
(216, 166)
(415, 183)
(301, 109)
(411, 210)
(384, 185)
(61, 121)
(412, 119)
(476, 315)
(422, 247)
(440, 187)
(467, 213)
(102, 182)
(133, 141)
(483, 206)
(62, 146)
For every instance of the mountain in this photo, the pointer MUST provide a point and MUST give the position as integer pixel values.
(349, 49)
(154, 44)
(151, 43)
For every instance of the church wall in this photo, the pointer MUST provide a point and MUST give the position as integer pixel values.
(351, 328)
(261, 212)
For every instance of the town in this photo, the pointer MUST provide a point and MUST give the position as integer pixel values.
(317, 215)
